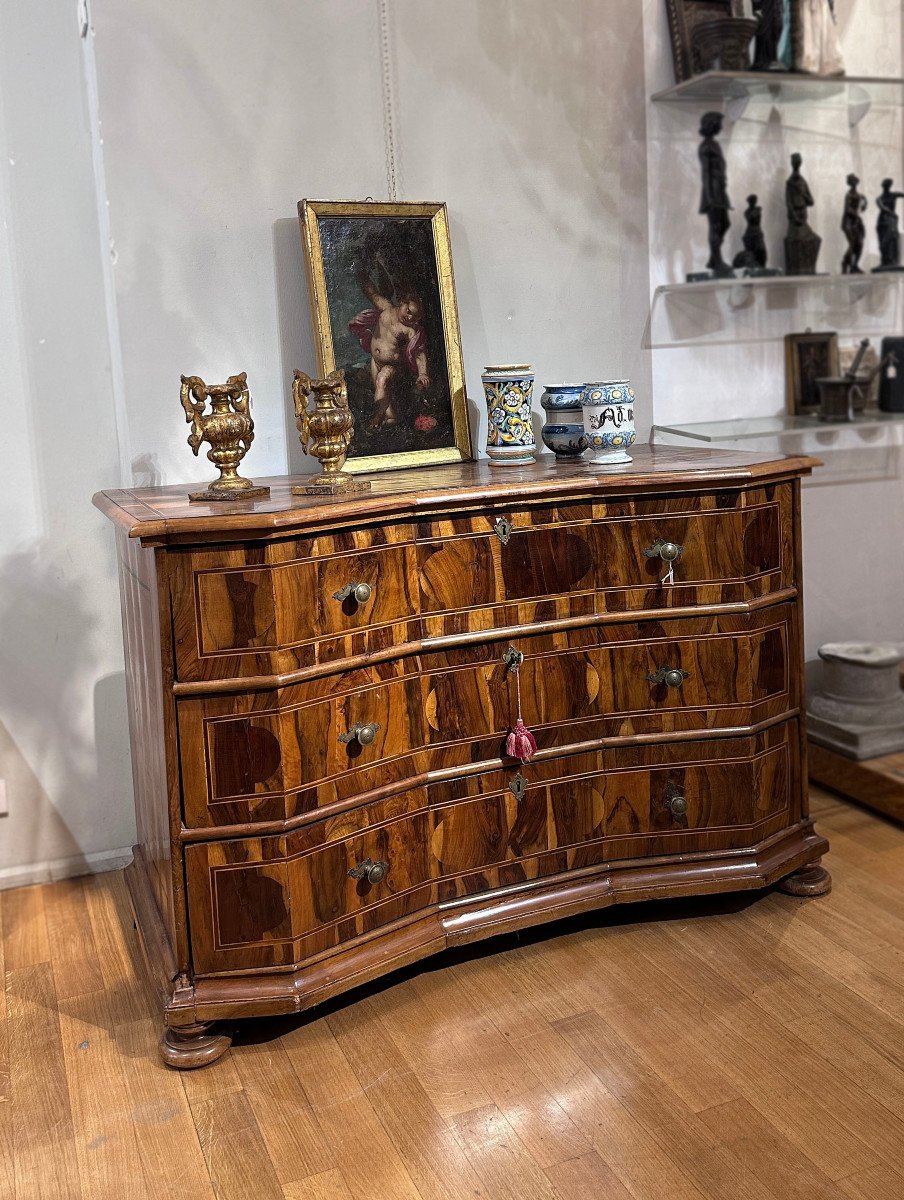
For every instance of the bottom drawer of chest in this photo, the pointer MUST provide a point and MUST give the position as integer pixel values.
(260, 903)
(683, 798)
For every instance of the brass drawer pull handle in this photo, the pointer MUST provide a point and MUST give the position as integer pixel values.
(669, 552)
(676, 801)
(361, 592)
(362, 734)
(373, 872)
(672, 677)
(503, 530)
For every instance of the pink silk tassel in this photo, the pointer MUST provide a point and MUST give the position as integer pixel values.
(520, 743)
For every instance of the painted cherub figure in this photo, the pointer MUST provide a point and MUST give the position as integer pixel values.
(393, 335)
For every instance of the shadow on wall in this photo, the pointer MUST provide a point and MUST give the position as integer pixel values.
(77, 749)
(296, 339)
(146, 471)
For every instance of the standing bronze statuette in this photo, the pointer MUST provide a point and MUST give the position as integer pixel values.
(325, 433)
(229, 429)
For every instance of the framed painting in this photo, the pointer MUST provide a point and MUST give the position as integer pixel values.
(808, 357)
(384, 312)
(684, 16)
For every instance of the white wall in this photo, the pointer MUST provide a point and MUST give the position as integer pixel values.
(63, 732)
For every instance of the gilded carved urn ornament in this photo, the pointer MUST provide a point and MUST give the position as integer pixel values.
(326, 433)
(228, 428)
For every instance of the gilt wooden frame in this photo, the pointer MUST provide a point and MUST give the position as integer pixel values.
(310, 213)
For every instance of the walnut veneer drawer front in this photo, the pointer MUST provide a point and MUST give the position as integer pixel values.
(574, 560)
(237, 616)
(274, 901)
(620, 679)
(262, 757)
(546, 818)
(268, 902)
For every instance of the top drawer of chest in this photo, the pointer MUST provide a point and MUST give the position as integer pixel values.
(269, 608)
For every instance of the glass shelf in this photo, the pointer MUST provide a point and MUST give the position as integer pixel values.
(867, 449)
(769, 427)
(737, 89)
(731, 311)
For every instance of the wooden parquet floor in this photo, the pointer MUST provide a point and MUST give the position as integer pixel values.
(749, 1048)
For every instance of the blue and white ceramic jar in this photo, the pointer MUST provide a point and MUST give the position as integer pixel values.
(509, 393)
(563, 432)
(609, 428)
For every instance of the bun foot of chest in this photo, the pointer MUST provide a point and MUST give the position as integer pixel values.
(192, 1046)
(812, 880)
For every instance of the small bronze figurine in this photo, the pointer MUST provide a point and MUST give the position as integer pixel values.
(714, 201)
(754, 257)
(888, 228)
(228, 428)
(326, 433)
(771, 16)
(802, 244)
(852, 225)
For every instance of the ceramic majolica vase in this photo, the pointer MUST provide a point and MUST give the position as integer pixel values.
(563, 432)
(510, 432)
(608, 410)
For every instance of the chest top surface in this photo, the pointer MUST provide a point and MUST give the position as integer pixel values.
(164, 514)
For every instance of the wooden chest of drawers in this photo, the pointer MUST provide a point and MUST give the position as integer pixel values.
(319, 701)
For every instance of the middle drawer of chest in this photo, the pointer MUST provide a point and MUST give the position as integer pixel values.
(271, 756)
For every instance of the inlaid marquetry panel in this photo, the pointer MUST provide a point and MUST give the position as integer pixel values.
(596, 681)
(272, 901)
(254, 610)
(589, 810)
(260, 757)
(268, 902)
(569, 560)
(267, 758)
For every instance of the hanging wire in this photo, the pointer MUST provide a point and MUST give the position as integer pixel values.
(388, 101)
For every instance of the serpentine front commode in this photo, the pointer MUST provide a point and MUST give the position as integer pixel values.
(323, 693)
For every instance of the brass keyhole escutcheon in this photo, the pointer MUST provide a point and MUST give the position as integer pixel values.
(513, 658)
(503, 530)
(518, 787)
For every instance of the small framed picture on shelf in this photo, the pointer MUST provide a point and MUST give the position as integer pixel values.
(808, 356)
(684, 16)
(384, 312)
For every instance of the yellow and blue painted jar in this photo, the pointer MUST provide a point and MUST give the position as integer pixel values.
(509, 392)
